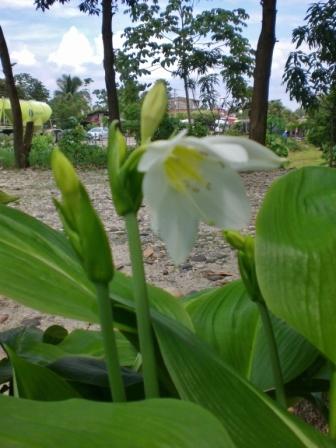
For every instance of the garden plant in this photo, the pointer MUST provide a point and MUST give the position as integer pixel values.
(219, 368)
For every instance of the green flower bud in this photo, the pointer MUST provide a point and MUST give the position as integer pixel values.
(235, 239)
(125, 180)
(64, 173)
(81, 222)
(153, 110)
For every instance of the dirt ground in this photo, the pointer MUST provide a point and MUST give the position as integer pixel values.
(211, 262)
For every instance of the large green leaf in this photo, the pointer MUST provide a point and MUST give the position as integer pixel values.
(39, 269)
(295, 253)
(38, 383)
(28, 344)
(230, 322)
(79, 423)
(250, 417)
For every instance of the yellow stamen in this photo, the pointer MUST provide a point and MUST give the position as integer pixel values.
(183, 167)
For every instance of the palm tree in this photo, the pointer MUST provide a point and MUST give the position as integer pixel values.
(68, 85)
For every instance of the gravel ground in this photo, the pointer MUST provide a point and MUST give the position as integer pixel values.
(211, 263)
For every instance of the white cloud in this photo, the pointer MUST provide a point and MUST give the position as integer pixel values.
(24, 57)
(64, 11)
(75, 51)
(14, 4)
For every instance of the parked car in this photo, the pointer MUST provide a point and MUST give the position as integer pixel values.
(98, 133)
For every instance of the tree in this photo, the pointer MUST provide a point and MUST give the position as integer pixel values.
(20, 159)
(107, 10)
(68, 85)
(311, 76)
(70, 102)
(184, 43)
(30, 88)
(262, 72)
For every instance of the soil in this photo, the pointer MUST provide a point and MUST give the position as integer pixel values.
(211, 263)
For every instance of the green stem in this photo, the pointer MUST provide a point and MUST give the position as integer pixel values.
(110, 346)
(332, 404)
(142, 308)
(274, 355)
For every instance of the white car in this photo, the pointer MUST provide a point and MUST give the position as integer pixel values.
(98, 133)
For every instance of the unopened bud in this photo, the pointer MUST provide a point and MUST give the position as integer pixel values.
(153, 110)
(64, 173)
(235, 239)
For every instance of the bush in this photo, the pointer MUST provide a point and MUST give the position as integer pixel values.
(42, 146)
(7, 159)
(168, 126)
(277, 144)
(75, 146)
(198, 129)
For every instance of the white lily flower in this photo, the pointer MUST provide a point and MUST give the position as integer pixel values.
(188, 180)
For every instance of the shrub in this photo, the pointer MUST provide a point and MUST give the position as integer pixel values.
(277, 144)
(7, 159)
(75, 146)
(42, 146)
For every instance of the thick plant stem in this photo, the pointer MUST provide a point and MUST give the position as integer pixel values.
(142, 308)
(332, 404)
(110, 346)
(274, 355)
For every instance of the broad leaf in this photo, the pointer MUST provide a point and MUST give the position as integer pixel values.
(86, 424)
(38, 383)
(27, 343)
(295, 254)
(40, 270)
(230, 322)
(250, 417)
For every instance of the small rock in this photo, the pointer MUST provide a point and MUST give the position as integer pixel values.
(186, 267)
(214, 277)
(3, 318)
(31, 321)
(148, 252)
(198, 258)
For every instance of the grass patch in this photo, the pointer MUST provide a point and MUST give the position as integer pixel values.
(308, 156)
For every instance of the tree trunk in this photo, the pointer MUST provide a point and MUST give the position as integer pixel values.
(262, 72)
(27, 143)
(109, 63)
(186, 90)
(14, 101)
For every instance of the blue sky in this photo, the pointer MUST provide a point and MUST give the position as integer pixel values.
(64, 40)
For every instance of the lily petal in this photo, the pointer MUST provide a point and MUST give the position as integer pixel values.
(222, 201)
(173, 216)
(241, 153)
(157, 151)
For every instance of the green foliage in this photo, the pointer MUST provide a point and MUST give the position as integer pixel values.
(70, 103)
(7, 158)
(30, 88)
(277, 144)
(87, 424)
(168, 126)
(310, 77)
(298, 215)
(211, 352)
(321, 127)
(186, 52)
(229, 321)
(75, 146)
(42, 146)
